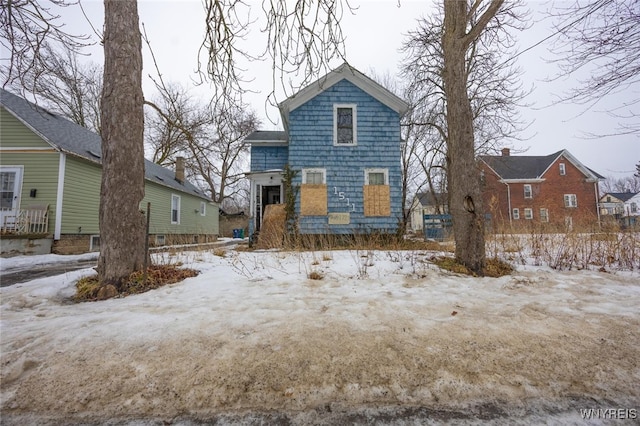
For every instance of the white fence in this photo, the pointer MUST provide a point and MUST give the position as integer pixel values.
(34, 220)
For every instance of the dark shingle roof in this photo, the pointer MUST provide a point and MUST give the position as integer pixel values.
(76, 140)
(531, 166)
(622, 196)
(267, 136)
(521, 166)
(428, 199)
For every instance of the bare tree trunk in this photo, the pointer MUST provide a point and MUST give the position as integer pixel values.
(122, 225)
(465, 201)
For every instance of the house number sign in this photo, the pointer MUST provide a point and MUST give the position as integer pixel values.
(339, 218)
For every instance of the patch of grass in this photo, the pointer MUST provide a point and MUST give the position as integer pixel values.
(88, 288)
(494, 267)
(219, 252)
(315, 275)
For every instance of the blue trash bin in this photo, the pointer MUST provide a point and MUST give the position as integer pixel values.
(236, 233)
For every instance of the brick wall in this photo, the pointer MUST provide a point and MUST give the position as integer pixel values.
(548, 194)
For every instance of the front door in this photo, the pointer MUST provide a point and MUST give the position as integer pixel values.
(10, 186)
(266, 194)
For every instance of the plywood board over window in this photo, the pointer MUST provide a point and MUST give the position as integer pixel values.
(313, 200)
(377, 200)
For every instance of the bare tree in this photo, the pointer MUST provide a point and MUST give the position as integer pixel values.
(67, 86)
(122, 225)
(174, 121)
(303, 38)
(624, 184)
(27, 29)
(461, 29)
(602, 38)
(466, 95)
(211, 139)
(494, 87)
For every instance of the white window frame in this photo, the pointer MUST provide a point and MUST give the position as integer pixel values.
(544, 214)
(563, 169)
(203, 208)
(354, 118)
(516, 214)
(323, 171)
(528, 191)
(570, 201)
(528, 214)
(160, 239)
(175, 197)
(383, 171)
(92, 246)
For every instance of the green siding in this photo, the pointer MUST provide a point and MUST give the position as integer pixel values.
(40, 172)
(14, 134)
(81, 199)
(81, 192)
(190, 221)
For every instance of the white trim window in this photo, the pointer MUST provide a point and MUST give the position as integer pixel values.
(94, 243)
(203, 208)
(563, 169)
(175, 209)
(345, 124)
(516, 214)
(527, 191)
(528, 214)
(314, 176)
(570, 200)
(376, 176)
(544, 215)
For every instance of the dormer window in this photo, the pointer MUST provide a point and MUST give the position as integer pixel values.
(344, 125)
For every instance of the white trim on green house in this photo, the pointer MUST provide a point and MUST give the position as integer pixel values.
(62, 165)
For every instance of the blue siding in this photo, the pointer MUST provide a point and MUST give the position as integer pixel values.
(268, 157)
(378, 146)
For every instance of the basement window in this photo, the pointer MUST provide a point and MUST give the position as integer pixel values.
(94, 243)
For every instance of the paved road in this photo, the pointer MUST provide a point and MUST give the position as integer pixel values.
(32, 272)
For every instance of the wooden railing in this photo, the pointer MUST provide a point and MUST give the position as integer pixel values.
(34, 220)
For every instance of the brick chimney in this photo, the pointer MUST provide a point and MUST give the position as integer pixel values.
(506, 152)
(180, 169)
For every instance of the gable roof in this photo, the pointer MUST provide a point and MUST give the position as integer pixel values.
(428, 198)
(343, 72)
(622, 196)
(71, 138)
(532, 167)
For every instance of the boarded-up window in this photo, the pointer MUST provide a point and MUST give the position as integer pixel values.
(313, 200)
(377, 200)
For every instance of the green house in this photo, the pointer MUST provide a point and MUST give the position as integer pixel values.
(50, 171)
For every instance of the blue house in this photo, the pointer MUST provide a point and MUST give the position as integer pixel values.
(342, 139)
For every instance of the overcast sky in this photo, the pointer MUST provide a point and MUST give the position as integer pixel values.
(374, 35)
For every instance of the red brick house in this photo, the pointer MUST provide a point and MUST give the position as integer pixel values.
(555, 188)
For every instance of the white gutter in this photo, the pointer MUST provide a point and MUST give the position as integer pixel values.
(60, 192)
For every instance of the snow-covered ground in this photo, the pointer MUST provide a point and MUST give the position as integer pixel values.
(385, 337)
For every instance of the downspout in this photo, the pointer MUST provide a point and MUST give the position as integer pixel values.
(509, 201)
(595, 187)
(60, 192)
